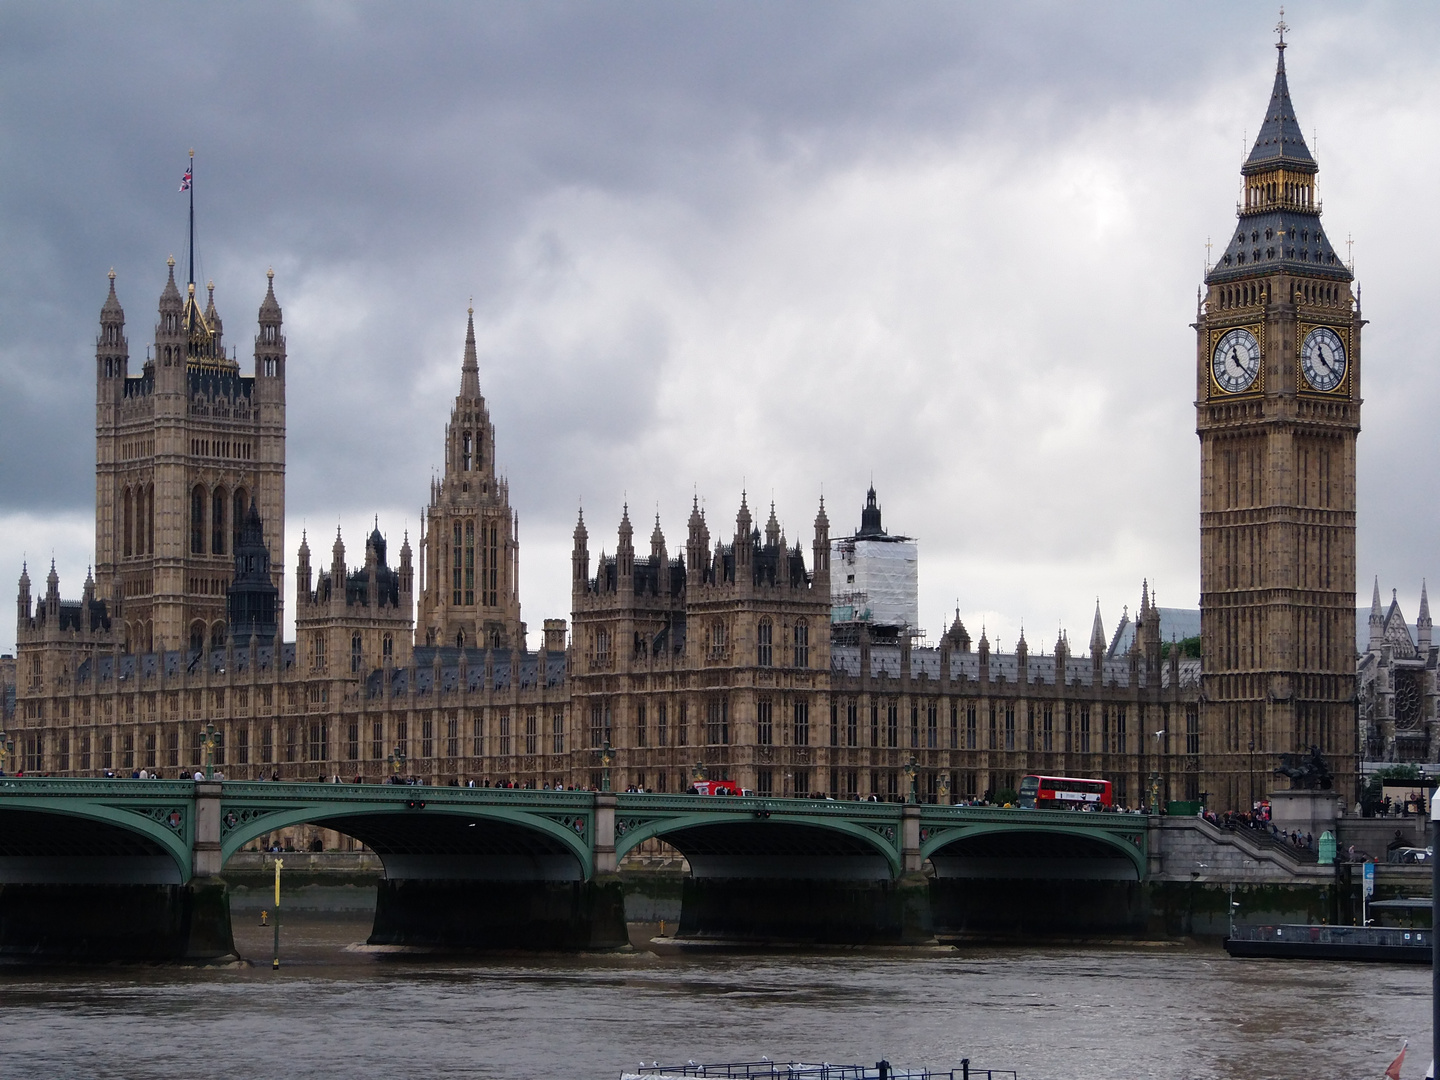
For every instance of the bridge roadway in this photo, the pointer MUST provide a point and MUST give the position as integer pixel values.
(133, 868)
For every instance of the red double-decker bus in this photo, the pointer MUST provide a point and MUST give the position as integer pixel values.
(1065, 793)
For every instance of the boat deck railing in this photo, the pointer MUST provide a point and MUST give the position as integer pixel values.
(1301, 933)
(780, 1070)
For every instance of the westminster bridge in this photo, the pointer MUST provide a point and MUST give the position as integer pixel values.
(134, 867)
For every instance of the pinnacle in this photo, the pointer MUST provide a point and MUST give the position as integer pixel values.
(470, 368)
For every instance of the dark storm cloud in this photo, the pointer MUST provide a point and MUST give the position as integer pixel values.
(705, 242)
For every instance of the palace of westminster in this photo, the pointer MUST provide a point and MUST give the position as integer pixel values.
(730, 657)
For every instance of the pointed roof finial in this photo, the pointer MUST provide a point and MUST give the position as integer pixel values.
(470, 368)
(1280, 28)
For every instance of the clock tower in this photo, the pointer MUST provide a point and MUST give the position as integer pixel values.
(1277, 412)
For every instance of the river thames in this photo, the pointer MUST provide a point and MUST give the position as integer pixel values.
(1050, 1013)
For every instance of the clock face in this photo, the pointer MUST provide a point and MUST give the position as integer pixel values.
(1236, 361)
(1322, 358)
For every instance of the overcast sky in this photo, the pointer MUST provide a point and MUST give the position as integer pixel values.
(786, 246)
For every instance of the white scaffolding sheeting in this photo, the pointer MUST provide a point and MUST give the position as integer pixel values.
(875, 581)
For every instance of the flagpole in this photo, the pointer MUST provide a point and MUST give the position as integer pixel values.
(192, 216)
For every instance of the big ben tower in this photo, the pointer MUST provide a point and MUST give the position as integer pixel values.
(1277, 412)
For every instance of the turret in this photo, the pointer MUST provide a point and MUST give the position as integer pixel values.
(821, 552)
(302, 571)
(1377, 620)
(580, 558)
(697, 546)
(407, 573)
(625, 555)
(337, 564)
(1422, 621)
(270, 343)
(22, 601)
(112, 351)
(1097, 635)
(374, 557)
(1022, 657)
(744, 552)
(52, 596)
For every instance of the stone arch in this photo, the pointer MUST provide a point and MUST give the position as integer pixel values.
(63, 838)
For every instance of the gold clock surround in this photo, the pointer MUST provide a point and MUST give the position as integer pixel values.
(1256, 388)
(1302, 333)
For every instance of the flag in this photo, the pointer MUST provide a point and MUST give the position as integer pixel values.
(185, 181)
(1393, 1072)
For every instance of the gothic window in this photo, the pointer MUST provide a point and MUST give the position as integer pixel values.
(597, 725)
(717, 721)
(802, 644)
(717, 639)
(469, 561)
(557, 730)
(764, 648)
(834, 723)
(662, 725)
(457, 562)
(460, 639)
(465, 451)
(387, 648)
(494, 570)
(197, 521)
(970, 739)
(1407, 701)
(150, 520)
(197, 636)
(1120, 730)
(317, 652)
(892, 726)
(1047, 729)
(129, 523)
(1192, 731)
(932, 729)
(217, 522)
(852, 724)
(764, 723)
(217, 636)
(640, 732)
(356, 653)
(602, 646)
(532, 737)
(914, 724)
(1009, 727)
(505, 733)
(800, 730)
(1084, 729)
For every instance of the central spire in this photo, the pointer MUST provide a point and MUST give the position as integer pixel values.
(470, 369)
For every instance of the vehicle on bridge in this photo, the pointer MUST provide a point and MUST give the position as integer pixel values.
(719, 787)
(1065, 793)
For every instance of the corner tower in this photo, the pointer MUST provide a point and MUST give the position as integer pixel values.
(470, 555)
(1278, 414)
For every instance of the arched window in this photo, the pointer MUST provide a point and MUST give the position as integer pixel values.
(717, 638)
(802, 644)
(217, 522)
(197, 525)
(466, 451)
(217, 636)
(387, 648)
(197, 636)
(460, 639)
(356, 652)
(129, 523)
(764, 649)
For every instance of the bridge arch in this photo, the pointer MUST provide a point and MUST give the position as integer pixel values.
(1033, 849)
(78, 841)
(779, 846)
(440, 840)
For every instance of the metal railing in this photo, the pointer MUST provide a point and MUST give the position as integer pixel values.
(1299, 933)
(779, 1070)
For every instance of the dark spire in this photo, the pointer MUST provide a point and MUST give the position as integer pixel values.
(1280, 136)
(870, 516)
(470, 369)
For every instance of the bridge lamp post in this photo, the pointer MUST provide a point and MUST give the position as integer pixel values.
(207, 740)
(607, 755)
(7, 747)
(945, 789)
(911, 769)
(396, 761)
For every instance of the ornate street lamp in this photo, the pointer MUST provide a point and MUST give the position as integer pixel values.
(945, 789)
(207, 740)
(910, 769)
(698, 773)
(396, 761)
(7, 747)
(607, 755)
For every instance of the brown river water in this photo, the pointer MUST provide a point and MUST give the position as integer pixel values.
(334, 1010)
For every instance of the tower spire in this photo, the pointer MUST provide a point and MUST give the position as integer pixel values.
(190, 187)
(470, 369)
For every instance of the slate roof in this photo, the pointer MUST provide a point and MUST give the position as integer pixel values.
(1280, 140)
